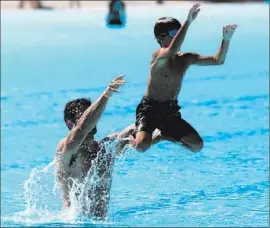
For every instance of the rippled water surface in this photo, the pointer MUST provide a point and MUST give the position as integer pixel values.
(49, 58)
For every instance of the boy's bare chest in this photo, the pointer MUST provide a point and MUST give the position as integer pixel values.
(169, 69)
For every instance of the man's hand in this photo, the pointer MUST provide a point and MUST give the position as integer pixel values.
(193, 13)
(228, 31)
(114, 85)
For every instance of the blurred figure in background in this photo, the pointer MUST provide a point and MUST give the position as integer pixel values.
(34, 4)
(117, 14)
(160, 1)
(75, 2)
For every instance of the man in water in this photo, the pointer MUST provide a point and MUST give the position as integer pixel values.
(78, 151)
(159, 107)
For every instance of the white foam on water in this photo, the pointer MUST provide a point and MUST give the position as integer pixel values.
(43, 197)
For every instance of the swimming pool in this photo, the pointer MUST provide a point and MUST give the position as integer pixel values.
(49, 58)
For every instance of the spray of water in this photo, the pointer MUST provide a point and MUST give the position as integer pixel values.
(43, 196)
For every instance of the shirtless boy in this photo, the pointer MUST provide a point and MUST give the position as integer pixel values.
(159, 107)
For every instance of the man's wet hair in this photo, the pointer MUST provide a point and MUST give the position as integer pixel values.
(72, 107)
(164, 25)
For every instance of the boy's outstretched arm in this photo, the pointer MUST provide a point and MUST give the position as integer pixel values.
(179, 38)
(220, 57)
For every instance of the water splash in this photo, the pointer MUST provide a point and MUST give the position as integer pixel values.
(43, 196)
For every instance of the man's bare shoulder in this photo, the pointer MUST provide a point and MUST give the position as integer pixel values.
(60, 145)
(59, 155)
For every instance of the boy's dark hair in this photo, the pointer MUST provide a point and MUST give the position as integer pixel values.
(165, 24)
(73, 106)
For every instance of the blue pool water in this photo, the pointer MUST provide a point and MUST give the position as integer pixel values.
(49, 58)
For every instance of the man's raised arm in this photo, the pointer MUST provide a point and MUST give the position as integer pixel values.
(89, 118)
